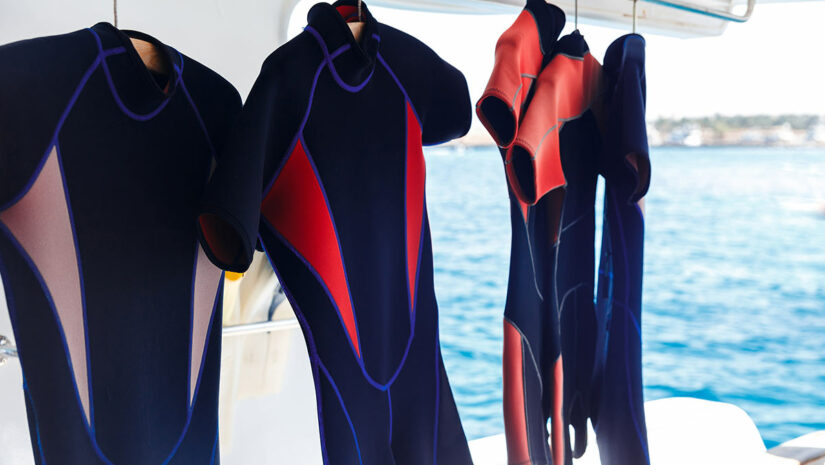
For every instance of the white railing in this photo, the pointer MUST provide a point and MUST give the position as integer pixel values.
(7, 350)
(260, 328)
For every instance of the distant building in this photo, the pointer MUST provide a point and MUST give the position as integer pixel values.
(758, 130)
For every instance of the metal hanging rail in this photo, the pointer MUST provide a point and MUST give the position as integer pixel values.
(8, 351)
(260, 328)
(707, 11)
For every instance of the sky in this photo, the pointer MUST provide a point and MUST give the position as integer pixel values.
(773, 64)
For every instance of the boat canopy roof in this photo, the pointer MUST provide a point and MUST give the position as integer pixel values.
(682, 18)
(233, 37)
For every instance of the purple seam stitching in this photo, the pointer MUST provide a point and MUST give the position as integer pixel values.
(337, 241)
(633, 320)
(410, 291)
(339, 51)
(414, 296)
(218, 299)
(343, 407)
(98, 61)
(400, 86)
(389, 406)
(191, 409)
(314, 273)
(116, 95)
(53, 144)
(214, 448)
(191, 328)
(420, 255)
(81, 281)
(59, 126)
(47, 294)
(304, 121)
(313, 349)
(359, 360)
(423, 217)
(12, 308)
(198, 116)
(329, 58)
(413, 291)
(36, 426)
(299, 137)
(298, 133)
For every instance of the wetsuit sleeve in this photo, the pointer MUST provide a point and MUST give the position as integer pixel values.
(233, 200)
(449, 113)
(629, 120)
(37, 81)
(228, 222)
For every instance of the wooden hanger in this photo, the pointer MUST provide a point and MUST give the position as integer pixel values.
(149, 54)
(152, 57)
(357, 27)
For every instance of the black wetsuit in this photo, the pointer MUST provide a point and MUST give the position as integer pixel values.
(116, 310)
(567, 358)
(340, 125)
(617, 409)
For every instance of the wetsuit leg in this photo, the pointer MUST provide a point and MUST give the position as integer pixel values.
(532, 363)
(620, 422)
(579, 145)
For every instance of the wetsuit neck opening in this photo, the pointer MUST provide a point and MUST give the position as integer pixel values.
(138, 88)
(352, 60)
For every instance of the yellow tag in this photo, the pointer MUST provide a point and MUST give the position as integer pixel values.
(233, 276)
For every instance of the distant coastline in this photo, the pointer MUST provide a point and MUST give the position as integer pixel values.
(713, 131)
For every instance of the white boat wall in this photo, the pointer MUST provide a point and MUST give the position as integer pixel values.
(267, 405)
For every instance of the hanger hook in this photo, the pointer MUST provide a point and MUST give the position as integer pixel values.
(576, 14)
(114, 9)
(634, 16)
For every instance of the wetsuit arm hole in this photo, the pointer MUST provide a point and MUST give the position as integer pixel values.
(224, 239)
(640, 163)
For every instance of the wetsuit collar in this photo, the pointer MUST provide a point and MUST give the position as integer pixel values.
(354, 62)
(549, 21)
(625, 95)
(572, 45)
(136, 87)
(628, 51)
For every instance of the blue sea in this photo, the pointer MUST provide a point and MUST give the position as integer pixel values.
(734, 288)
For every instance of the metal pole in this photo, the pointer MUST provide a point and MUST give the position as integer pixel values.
(261, 328)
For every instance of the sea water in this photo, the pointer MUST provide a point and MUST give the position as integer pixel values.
(734, 287)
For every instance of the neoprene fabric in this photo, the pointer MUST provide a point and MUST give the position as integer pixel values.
(570, 355)
(617, 409)
(115, 307)
(340, 126)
